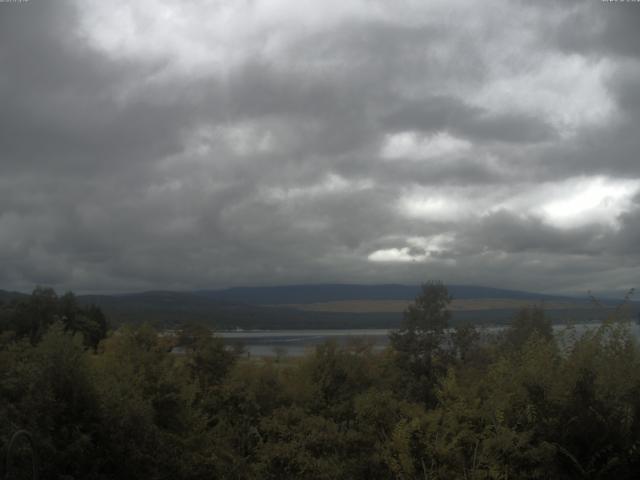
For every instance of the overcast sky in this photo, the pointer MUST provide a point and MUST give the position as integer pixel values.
(201, 144)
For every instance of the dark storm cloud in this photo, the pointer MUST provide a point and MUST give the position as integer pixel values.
(601, 28)
(447, 113)
(508, 232)
(611, 148)
(65, 105)
(194, 145)
(627, 238)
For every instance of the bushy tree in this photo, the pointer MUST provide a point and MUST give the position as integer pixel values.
(528, 321)
(31, 317)
(48, 390)
(420, 340)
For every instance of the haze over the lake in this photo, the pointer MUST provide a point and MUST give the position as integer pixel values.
(202, 144)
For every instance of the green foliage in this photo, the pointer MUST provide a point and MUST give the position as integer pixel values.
(207, 359)
(438, 404)
(298, 445)
(47, 389)
(418, 343)
(529, 321)
(30, 318)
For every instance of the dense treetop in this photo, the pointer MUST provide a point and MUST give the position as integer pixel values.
(439, 403)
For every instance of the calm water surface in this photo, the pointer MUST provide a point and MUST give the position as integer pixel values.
(298, 342)
(267, 343)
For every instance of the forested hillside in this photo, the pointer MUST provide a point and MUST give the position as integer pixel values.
(437, 404)
(288, 294)
(339, 306)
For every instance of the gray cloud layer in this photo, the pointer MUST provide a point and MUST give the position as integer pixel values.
(204, 144)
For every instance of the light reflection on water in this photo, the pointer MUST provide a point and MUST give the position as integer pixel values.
(295, 343)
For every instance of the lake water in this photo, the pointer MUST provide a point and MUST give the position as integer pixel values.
(295, 343)
(268, 343)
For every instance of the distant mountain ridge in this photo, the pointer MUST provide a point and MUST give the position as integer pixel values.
(322, 306)
(315, 293)
(7, 296)
(297, 294)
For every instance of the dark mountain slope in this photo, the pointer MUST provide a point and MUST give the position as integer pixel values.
(296, 294)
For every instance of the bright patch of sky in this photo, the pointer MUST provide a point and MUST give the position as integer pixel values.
(565, 204)
(414, 146)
